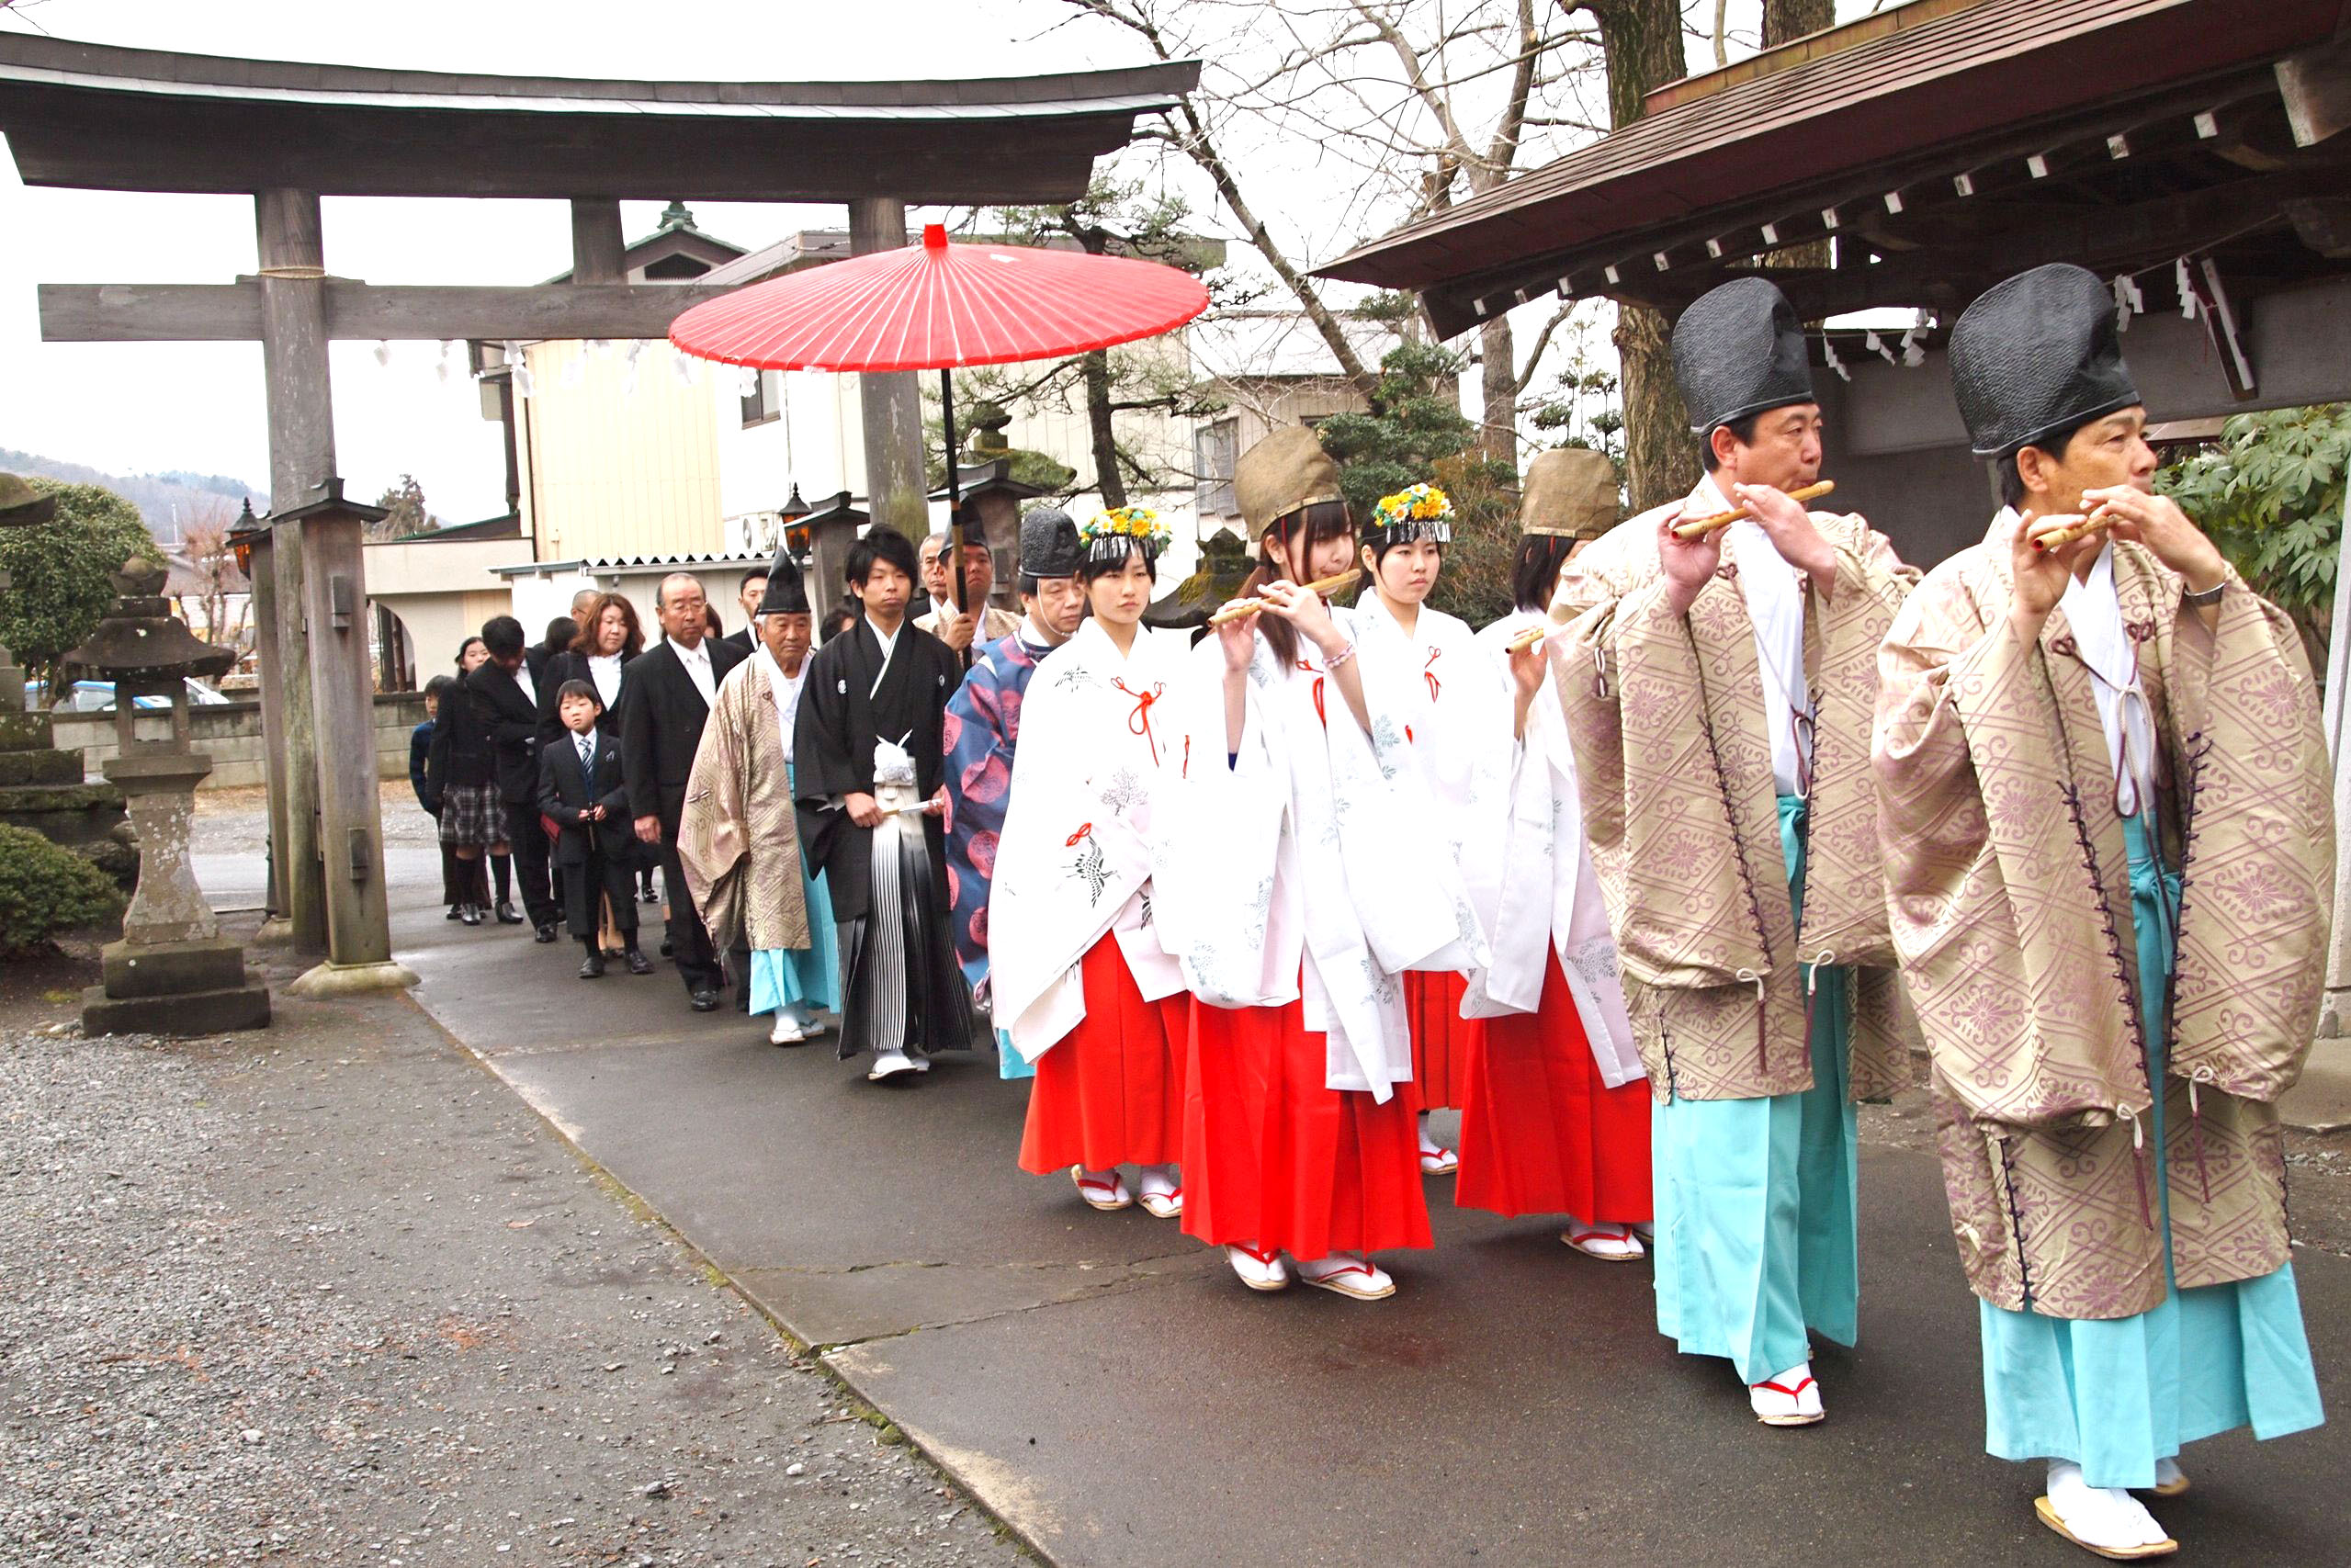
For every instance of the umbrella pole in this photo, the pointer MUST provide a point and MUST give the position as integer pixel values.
(955, 499)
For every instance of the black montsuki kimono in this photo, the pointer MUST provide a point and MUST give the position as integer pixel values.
(842, 715)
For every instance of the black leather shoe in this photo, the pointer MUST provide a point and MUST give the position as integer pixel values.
(593, 966)
(706, 1001)
(649, 897)
(544, 934)
(454, 914)
(665, 947)
(470, 914)
(638, 963)
(506, 915)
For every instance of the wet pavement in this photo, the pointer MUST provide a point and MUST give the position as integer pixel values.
(1108, 1388)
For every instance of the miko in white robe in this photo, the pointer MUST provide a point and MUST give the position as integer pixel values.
(1277, 888)
(1080, 981)
(1456, 725)
(1557, 1114)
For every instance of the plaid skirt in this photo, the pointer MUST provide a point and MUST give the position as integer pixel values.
(472, 816)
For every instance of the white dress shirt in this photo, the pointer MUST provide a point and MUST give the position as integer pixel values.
(696, 660)
(604, 669)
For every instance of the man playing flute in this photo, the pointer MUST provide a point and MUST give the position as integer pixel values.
(1718, 691)
(2111, 847)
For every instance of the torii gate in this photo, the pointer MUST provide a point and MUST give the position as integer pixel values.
(106, 118)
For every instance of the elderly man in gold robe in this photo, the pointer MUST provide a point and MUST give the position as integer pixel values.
(739, 840)
(1718, 691)
(2111, 847)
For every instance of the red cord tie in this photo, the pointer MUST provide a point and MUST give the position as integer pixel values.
(1140, 721)
(1317, 675)
(1429, 674)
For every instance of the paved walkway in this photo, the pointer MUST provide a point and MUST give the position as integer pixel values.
(1107, 1387)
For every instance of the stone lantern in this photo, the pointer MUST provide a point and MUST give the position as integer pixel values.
(173, 973)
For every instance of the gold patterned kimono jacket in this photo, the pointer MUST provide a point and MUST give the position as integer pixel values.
(2009, 882)
(737, 839)
(1680, 804)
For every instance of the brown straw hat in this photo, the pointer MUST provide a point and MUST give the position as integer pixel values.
(1570, 492)
(1285, 472)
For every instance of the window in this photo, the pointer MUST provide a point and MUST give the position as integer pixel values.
(1214, 452)
(762, 404)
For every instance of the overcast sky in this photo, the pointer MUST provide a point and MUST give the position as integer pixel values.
(139, 407)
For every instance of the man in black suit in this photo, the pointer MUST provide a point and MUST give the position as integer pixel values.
(505, 697)
(580, 789)
(665, 696)
(748, 594)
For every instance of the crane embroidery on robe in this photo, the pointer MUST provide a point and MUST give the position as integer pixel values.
(1088, 867)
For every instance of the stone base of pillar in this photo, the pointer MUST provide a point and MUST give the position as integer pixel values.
(275, 931)
(185, 1013)
(332, 979)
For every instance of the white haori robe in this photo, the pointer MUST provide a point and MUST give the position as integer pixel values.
(1074, 859)
(1439, 683)
(1277, 877)
(1549, 898)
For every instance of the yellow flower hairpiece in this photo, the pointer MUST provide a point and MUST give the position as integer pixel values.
(1137, 522)
(1421, 503)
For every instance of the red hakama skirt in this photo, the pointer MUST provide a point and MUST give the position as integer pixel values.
(1440, 1070)
(1541, 1133)
(1111, 1091)
(1275, 1159)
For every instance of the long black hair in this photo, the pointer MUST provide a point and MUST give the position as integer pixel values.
(1534, 576)
(1300, 532)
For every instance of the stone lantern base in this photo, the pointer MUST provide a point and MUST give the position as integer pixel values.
(174, 988)
(173, 973)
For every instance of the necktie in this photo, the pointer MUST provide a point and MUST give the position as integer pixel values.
(588, 764)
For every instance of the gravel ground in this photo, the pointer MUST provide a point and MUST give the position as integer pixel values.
(332, 1295)
(236, 817)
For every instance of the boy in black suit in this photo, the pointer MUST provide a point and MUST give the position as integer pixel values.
(580, 789)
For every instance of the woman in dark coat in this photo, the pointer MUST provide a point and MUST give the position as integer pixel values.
(462, 774)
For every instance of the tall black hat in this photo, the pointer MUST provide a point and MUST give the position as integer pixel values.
(1049, 546)
(787, 594)
(1739, 351)
(2035, 356)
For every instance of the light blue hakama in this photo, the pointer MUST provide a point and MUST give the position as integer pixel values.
(1757, 1200)
(808, 977)
(2116, 1394)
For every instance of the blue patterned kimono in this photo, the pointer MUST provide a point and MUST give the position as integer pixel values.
(983, 727)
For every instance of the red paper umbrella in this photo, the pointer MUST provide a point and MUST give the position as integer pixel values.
(933, 306)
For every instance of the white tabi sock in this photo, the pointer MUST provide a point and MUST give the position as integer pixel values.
(2100, 1515)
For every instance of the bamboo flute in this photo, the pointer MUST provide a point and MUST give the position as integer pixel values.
(1325, 586)
(2080, 529)
(1699, 527)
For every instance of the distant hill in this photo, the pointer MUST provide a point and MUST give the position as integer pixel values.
(165, 501)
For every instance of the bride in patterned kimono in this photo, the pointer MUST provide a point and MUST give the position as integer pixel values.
(2109, 849)
(1079, 982)
(1428, 671)
(1556, 1115)
(1277, 889)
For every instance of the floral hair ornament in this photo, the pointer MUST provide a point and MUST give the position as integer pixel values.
(1107, 535)
(1424, 512)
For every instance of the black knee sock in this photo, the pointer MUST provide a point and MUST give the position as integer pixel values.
(504, 867)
